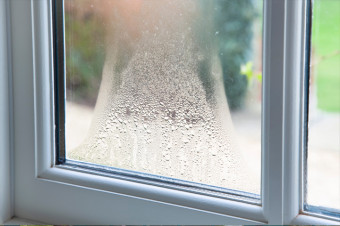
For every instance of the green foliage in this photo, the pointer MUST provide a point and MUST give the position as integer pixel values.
(233, 20)
(84, 56)
(247, 70)
(326, 53)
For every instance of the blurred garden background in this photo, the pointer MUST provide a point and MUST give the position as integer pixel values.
(239, 30)
(236, 22)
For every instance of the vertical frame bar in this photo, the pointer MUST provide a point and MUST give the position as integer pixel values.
(294, 106)
(6, 158)
(272, 108)
(59, 79)
(45, 154)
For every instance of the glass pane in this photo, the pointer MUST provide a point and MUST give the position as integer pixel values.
(170, 88)
(324, 107)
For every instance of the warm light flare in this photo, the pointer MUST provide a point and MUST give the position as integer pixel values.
(132, 6)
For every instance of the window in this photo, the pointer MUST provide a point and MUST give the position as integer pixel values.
(56, 194)
(162, 114)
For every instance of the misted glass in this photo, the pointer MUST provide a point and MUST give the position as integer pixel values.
(323, 179)
(170, 88)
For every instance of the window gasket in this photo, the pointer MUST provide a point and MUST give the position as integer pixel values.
(59, 79)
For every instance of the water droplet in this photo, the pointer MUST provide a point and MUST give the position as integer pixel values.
(185, 140)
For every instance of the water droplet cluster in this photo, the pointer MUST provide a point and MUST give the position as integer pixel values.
(154, 115)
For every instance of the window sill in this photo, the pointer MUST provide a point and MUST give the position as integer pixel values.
(20, 221)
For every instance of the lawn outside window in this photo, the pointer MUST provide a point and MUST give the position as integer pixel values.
(48, 193)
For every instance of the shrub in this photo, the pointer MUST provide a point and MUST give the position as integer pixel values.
(233, 21)
(84, 39)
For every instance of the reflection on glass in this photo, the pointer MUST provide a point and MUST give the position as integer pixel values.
(324, 107)
(180, 88)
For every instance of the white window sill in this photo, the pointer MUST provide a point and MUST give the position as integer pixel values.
(20, 221)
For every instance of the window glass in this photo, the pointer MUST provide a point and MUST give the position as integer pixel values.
(323, 162)
(169, 88)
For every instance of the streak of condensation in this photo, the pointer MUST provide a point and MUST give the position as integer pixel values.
(162, 108)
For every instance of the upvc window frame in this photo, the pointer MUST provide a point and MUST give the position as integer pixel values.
(44, 192)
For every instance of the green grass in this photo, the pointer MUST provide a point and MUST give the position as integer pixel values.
(326, 53)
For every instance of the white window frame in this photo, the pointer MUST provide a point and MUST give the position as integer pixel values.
(34, 188)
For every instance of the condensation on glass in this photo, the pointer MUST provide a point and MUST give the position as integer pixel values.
(179, 88)
(323, 160)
